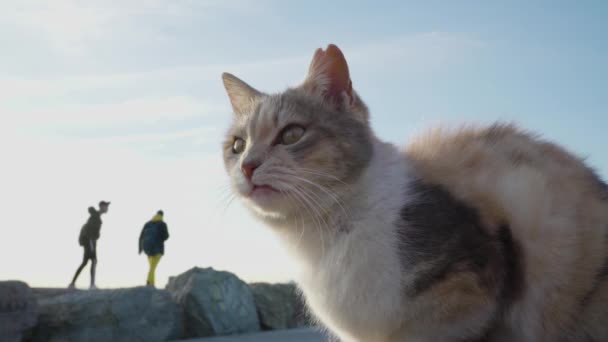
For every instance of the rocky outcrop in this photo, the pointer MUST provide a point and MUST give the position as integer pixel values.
(214, 302)
(130, 315)
(200, 302)
(279, 306)
(45, 293)
(18, 310)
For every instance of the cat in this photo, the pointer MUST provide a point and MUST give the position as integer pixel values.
(477, 233)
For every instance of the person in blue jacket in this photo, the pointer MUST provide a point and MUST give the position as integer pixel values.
(152, 242)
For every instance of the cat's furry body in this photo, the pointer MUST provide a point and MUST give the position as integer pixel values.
(465, 235)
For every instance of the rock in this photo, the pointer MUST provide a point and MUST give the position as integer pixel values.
(18, 310)
(279, 306)
(122, 315)
(44, 293)
(214, 302)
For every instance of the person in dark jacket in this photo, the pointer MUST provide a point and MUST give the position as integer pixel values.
(152, 242)
(89, 234)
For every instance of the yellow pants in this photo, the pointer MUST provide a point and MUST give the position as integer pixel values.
(153, 261)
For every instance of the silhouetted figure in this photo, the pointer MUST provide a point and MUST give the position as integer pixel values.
(89, 233)
(152, 242)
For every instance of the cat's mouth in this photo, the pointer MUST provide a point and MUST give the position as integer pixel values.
(262, 191)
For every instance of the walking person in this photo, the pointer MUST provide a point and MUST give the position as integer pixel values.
(89, 234)
(152, 242)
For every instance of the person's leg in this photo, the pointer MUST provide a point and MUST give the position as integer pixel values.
(85, 259)
(153, 261)
(93, 262)
(93, 265)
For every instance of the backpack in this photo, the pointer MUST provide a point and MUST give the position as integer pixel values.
(82, 237)
(150, 235)
(152, 239)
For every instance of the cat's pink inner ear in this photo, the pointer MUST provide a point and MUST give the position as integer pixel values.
(328, 73)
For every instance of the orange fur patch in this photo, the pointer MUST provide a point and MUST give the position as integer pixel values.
(550, 201)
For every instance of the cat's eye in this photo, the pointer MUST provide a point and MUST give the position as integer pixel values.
(238, 146)
(291, 135)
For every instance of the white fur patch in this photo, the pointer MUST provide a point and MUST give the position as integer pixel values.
(354, 281)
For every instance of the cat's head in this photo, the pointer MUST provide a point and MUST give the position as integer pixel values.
(299, 150)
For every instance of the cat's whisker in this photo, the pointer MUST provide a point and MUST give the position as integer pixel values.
(225, 198)
(314, 198)
(306, 204)
(321, 173)
(319, 201)
(224, 191)
(294, 173)
(298, 215)
(304, 199)
(335, 197)
(230, 200)
(224, 202)
(322, 216)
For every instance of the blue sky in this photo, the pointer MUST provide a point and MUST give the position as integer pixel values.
(122, 100)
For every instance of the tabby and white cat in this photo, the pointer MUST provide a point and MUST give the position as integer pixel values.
(467, 234)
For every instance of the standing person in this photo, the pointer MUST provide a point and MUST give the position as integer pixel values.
(89, 233)
(152, 242)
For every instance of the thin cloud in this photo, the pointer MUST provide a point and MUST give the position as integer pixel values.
(132, 111)
(17, 89)
(197, 135)
(72, 27)
(414, 52)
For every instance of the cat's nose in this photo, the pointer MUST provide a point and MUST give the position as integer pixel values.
(248, 168)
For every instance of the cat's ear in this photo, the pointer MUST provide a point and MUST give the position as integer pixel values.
(328, 76)
(242, 95)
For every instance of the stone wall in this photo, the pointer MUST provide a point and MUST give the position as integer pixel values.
(199, 302)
